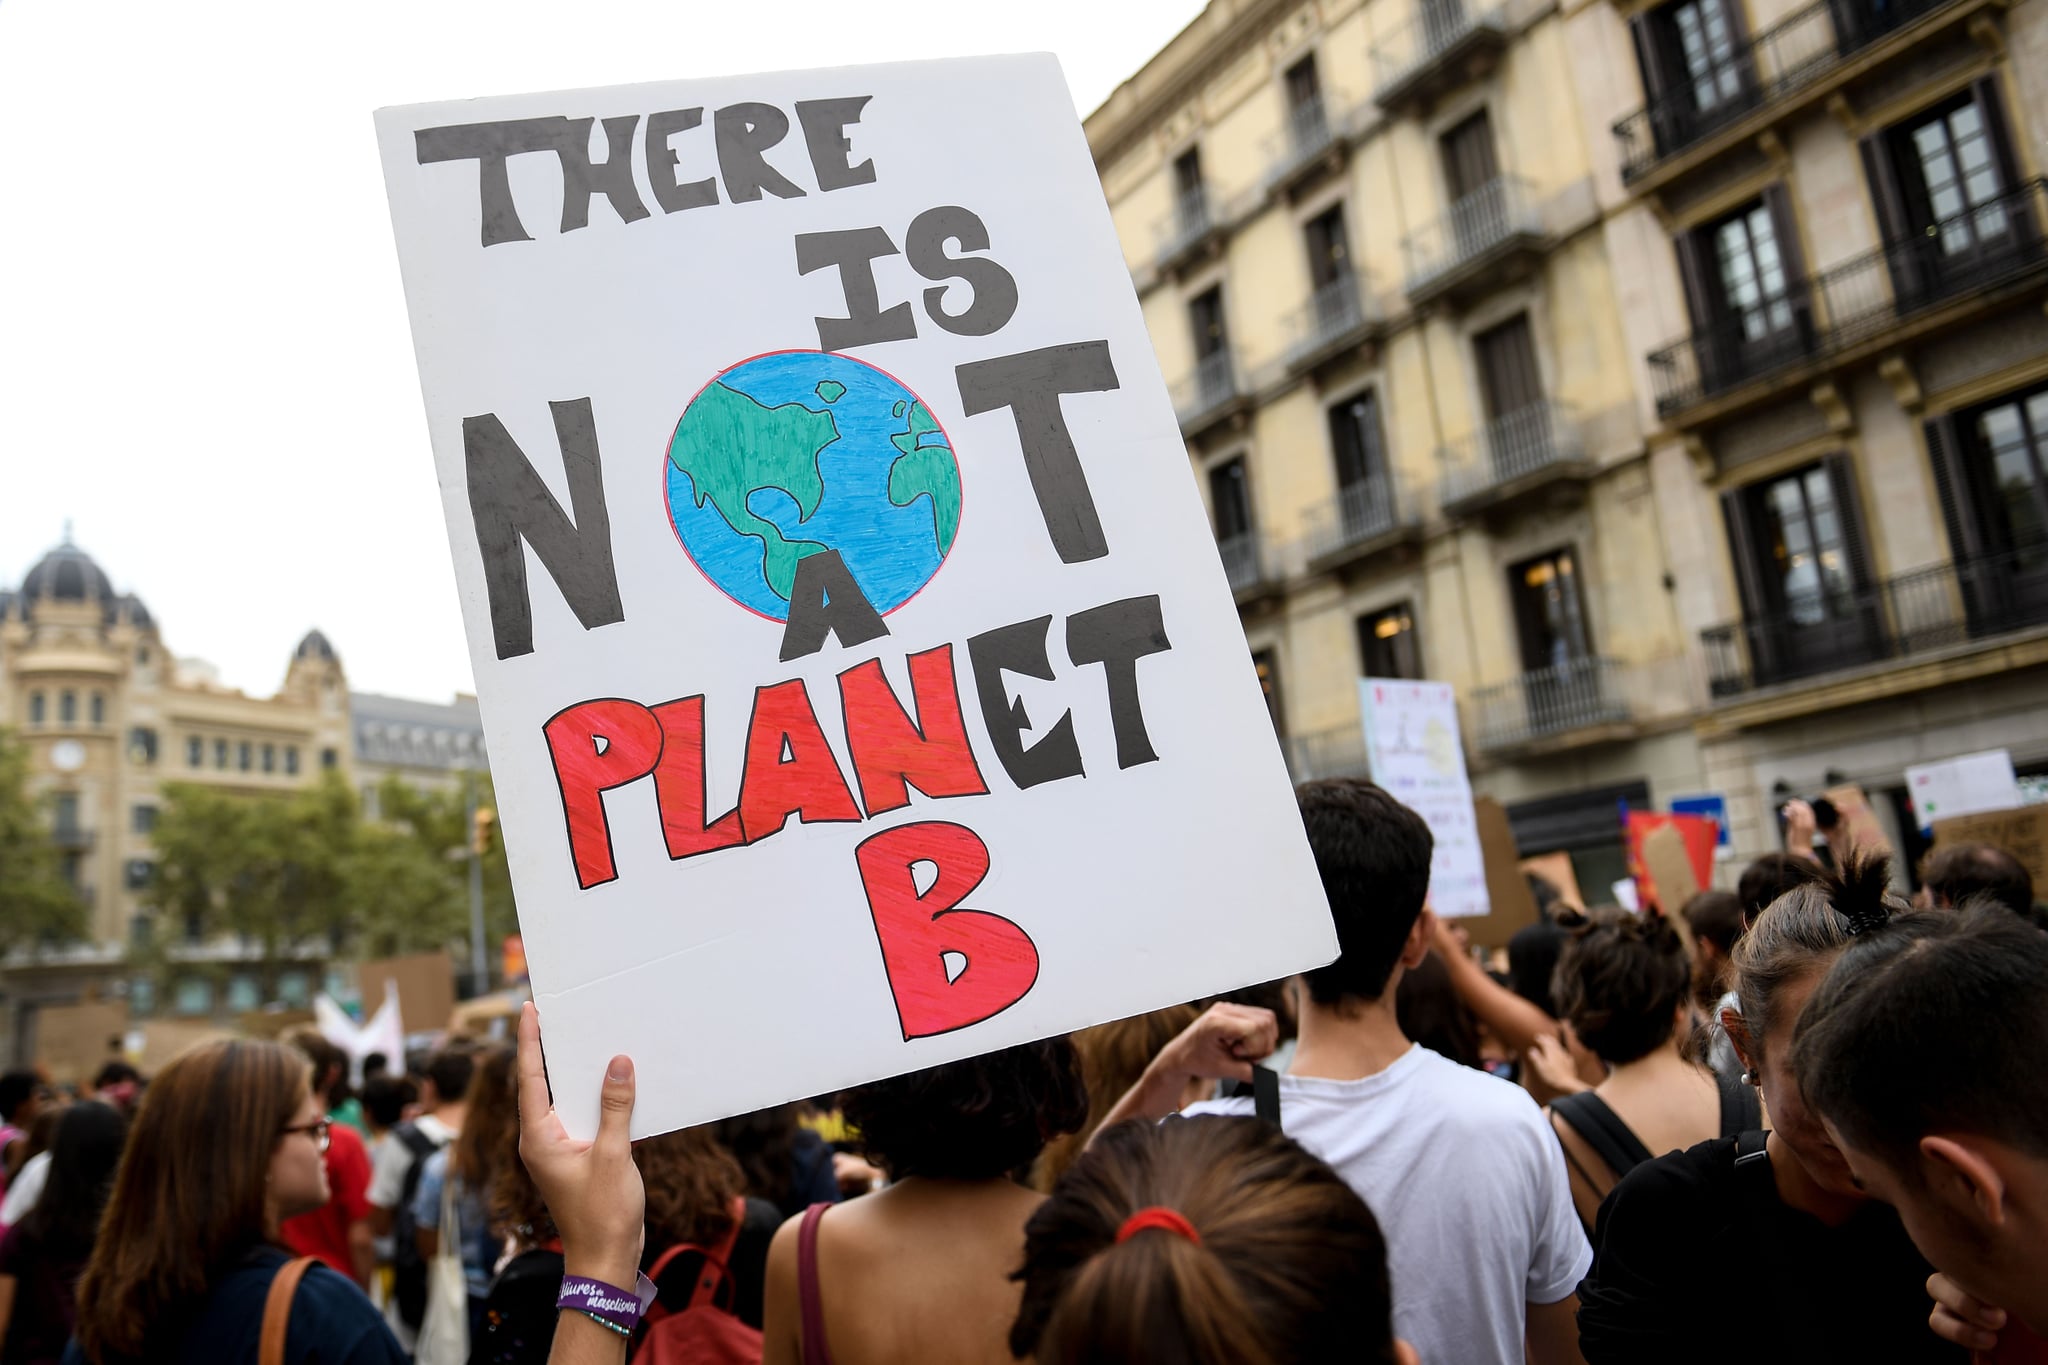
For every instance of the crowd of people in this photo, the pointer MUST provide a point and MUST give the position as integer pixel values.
(1800, 1121)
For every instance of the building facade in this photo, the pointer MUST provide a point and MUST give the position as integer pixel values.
(110, 716)
(1413, 269)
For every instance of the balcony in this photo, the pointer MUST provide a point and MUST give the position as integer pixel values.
(71, 838)
(1336, 318)
(1314, 140)
(1520, 455)
(1919, 614)
(1213, 393)
(1248, 566)
(1490, 237)
(1364, 519)
(1194, 226)
(1574, 701)
(1880, 300)
(1447, 43)
(1338, 752)
(1789, 66)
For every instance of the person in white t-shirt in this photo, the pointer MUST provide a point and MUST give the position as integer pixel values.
(393, 1178)
(1483, 1245)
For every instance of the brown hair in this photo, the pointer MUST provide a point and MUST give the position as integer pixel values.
(1290, 1264)
(189, 1197)
(1113, 1057)
(1803, 931)
(1619, 983)
(493, 1110)
(512, 1202)
(691, 1182)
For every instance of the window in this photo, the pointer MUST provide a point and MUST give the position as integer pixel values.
(1205, 318)
(1230, 500)
(1267, 665)
(67, 707)
(1187, 173)
(142, 819)
(220, 754)
(1329, 254)
(1355, 442)
(1304, 88)
(1942, 176)
(1750, 272)
(35, 708)
(1803, 563)
(1387, 644)
(291, 759)
(142, 744)
(139, 873)
(1550, 619)
(64, 814)
(328, 758)
(1706, 44)
(244, 756)
(1469, 164)
(243, 995)
(98, 709)
(1190, 205)
(195, 751)
(270, 758)
(142, 655)
(2008, 442)
(1508, 378)
(1797, 543)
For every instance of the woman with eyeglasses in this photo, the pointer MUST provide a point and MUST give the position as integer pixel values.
(226, 1145)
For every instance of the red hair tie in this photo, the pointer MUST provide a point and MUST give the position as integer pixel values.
(1164, 1219)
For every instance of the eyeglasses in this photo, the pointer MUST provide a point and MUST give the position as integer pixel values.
(318, 1130)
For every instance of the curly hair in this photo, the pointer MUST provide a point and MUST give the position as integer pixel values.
(975, 1119)
(1290, 1264)
(1620, 981)
(691, 1182)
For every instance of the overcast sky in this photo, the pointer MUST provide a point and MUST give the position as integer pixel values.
(204, 356)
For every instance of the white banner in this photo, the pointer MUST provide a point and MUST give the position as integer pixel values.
(1413, 749)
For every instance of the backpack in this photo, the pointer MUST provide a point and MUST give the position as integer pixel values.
(705, 1332)
(520, 1312)
(408, 1267)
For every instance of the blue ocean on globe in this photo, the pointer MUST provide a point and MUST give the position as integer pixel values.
(791, 454)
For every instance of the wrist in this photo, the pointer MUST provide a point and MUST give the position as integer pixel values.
(615, 1266)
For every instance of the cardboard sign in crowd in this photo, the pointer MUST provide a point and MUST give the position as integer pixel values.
(862, 685)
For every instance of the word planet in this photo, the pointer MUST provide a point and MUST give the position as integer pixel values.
(800, 452)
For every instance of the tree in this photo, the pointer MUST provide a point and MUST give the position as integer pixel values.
(439, 821)
(37, 905)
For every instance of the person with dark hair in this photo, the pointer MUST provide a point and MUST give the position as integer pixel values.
(225, 1146)
(1213, 1241)
(1715, 919)
(1113, 1056)
(339, 1231)
(42, 1257)
(395, 1178)
(1770, 877)
(1922, 1052)
(1462, 1171)
(1429, 1010)
(1826, 1273)
(1623, 983)
(455, 1181)
(118, 1084)
(783, 1162)
(21, 1098)
(919, 1271)
(27, 1185)
(1533, 951)
(1959, 873)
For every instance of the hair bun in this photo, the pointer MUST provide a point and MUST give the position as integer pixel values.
(1863, 898)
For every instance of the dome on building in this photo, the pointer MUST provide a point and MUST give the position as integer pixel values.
(67, 574)
(314, 646)
(137, 613)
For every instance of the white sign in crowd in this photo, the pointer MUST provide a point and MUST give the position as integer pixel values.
(1413, 749)
(862, 686)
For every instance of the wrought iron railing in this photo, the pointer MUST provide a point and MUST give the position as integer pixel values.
(1360, 513)
(1572, 694)
(1439, 29)
(72, 838)
(1499, 211)
(1987, 246)
(1193, 216)
(1244, 561)
(1530, 440)
(1312, 129)
(1335, 313)
(1213, 385)
(1929, 609)
(1769, 68)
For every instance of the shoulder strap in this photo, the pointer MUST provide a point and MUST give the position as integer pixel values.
(1740, 1109)
(415, 1140)
(277, 1310)
(1602, 1130)
(1750, 1149)
(1266, 1094)
(811, 1303)
(717, 1259)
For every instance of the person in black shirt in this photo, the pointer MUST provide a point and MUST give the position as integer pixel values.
(1817, 1272)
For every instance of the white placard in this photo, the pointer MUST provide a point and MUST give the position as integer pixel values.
(862, 685)
(1413, 749)
(1962, 786)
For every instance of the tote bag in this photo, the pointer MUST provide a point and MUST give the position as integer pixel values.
(444, 1331)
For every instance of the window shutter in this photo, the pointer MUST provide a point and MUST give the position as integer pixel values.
(1952, 484)
(1742, 549)
(1885, 194)
(1992, 106)
(1842, 475)
(1692, 271)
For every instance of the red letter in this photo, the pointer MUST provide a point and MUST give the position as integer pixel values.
(679, 784)
(917, 931)
(598, 745)
(808, 785)
(890, 750)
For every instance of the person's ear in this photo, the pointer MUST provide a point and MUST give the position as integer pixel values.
(1737, 1030)
(1962, 1175)
(1420, 935)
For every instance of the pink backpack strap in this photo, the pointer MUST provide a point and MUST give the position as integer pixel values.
(815, 1351)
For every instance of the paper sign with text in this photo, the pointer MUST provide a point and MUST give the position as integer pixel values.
(1413, 750)
(862, 685)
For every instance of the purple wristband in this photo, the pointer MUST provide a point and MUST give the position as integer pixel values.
(606, 1302)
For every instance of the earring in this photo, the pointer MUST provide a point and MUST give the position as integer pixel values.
(1751, 1078)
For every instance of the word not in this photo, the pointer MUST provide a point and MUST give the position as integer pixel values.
(741, 136)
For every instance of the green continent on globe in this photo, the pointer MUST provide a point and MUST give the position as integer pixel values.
(731, 446)
(926, 471)
(831, 390)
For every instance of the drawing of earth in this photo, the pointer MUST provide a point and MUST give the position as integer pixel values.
(798, 452)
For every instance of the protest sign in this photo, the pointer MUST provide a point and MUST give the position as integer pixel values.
(72, 1042)
(862, 684)
(1962, 786)
(1683, 861)
(425, 984)
(1556, 868)
(1856, 824)
(2022, 832)
(1413, 750)
(1510, 903)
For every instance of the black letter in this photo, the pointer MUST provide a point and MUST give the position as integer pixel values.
(1030, 384)
(508, 502)
(489, 144)
(613, 179)
(993, 290)
(824, 122)
(1021, 649)
(662, 162)
(1117, 635)
(824, 598)
(854, 251)
(743, 132)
